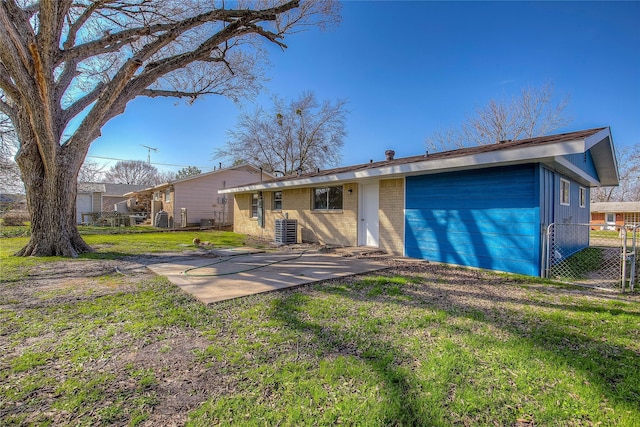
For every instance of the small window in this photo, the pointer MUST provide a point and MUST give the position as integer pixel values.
(167, 195)
(583, 197)
(564, 191)
(277, 200)
(327, 198)
(156, 196)
(254, 205)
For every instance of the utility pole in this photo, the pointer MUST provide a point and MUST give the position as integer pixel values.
(149, 152)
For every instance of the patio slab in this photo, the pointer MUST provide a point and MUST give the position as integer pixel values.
(247, 273)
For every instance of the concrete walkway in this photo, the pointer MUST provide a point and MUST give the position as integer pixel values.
(237, 273)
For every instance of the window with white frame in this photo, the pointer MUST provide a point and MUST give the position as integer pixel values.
(583, 197)
(327, 198)
(254, 205)
(167, 195)
(277, 200)
(565, 187)
(156, 196)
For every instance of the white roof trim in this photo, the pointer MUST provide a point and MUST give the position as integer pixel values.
(544, 153)
(574, 172)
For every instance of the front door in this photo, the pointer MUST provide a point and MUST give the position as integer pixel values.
(610, 219)
(369, 224)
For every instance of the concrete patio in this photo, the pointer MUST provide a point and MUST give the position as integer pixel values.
(240, 272)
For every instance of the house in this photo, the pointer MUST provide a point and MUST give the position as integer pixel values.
(613, 215)
(485, 206)
(96, 197)
(195, 200)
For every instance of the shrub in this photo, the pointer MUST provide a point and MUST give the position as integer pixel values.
(15, 217)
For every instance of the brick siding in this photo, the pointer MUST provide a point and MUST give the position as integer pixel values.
(391, 216)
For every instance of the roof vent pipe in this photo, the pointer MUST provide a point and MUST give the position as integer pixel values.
(389, 154)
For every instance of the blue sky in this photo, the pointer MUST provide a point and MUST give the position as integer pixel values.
(410, 68)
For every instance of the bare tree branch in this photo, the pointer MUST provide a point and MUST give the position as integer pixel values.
(63, 58)
(301, 133)
(534, 113)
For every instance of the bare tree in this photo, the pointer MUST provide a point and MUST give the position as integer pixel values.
(91, 171)
(628, 190)
(134, 172)
(535, 112)
(10, 180)
(187, 172)
(86, 59)
(290, 135)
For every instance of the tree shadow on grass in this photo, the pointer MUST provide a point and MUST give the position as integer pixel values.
(395, 382)
(506, 304)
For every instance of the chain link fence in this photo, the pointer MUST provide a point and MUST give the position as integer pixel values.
(112, 218)
(592, 255)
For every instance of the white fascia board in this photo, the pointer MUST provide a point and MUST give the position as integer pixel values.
(604, 157)
(494, 158)
(596, 138)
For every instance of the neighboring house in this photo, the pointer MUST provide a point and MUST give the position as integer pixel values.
(485, 206)
(88, 199)
(613, 215)
(12, 201)
(195, 200)
(100, 197)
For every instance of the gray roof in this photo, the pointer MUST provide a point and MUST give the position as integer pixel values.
(614, 207)
(121, 189)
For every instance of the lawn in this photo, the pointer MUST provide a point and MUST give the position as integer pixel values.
(417, 344)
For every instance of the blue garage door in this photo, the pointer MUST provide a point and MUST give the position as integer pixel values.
(486, 218)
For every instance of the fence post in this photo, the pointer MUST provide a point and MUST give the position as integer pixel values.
(632, 281)
(547, 260)
(623, 235)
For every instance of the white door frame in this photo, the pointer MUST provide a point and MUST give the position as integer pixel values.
(368, 217)
(610, 225)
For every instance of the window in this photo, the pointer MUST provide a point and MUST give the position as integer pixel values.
(327, 198)
(167, 195)
(564, 191)
(583, 197)
(156, 196)
(277, 200)
(254, 205)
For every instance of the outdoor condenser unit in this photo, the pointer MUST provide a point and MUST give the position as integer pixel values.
(286, 231)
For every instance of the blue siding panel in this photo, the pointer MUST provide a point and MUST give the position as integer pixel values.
(571, 239)
(486, 218)
(585, 162)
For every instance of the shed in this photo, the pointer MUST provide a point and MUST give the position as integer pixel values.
(486, 206)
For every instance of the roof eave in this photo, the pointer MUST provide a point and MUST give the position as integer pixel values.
(604, 157)
(497, 158)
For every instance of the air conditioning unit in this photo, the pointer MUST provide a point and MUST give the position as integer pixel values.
(286, 232)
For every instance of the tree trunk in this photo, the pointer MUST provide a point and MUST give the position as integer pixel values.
(51, 198)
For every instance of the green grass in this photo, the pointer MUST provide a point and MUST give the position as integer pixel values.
(579, 265)
(439, 347)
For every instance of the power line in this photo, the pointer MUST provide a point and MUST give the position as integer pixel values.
(153, 163)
